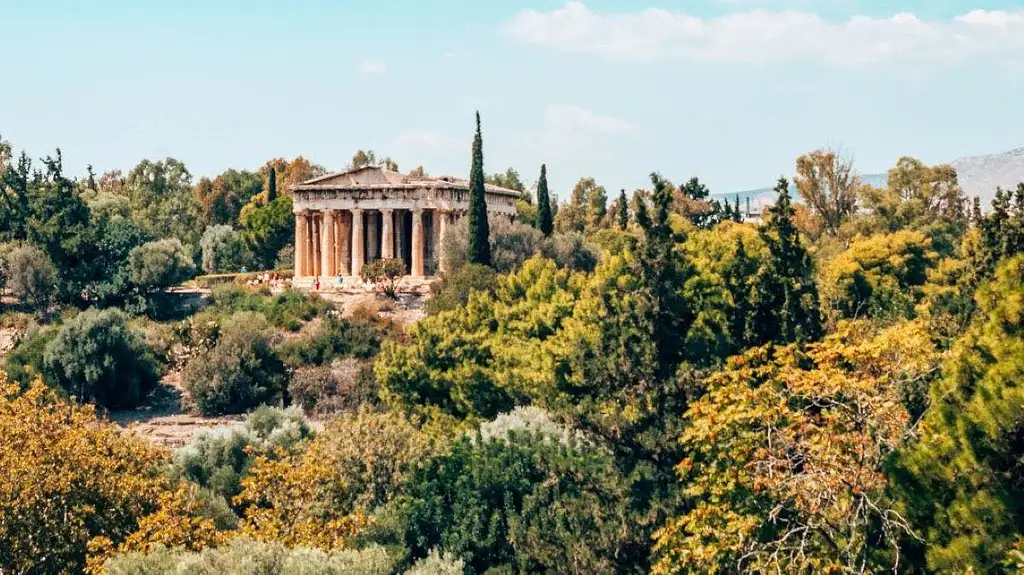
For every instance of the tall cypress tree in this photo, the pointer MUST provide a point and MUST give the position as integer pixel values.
(545, 221)
(479, 231)
(623, 211)
(272, 185)
(737, 215)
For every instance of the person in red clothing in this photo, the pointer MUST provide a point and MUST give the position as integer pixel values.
(316, 283)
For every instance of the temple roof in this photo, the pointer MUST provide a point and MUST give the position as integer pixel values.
(375, 177)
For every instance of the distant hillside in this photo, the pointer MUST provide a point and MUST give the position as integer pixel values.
(979, 176)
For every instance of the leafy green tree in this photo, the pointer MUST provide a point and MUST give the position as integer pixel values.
(585, 209)
(365, 158)
(160, 264)
(509, 180)
(223, 250)
(114, 239)
(494, 504)
(59, 222)
(597, 208)
(622, 213)
(162, 201)
(267, 229)
(962, 482)
(479, 233)
(384, 274)
(544, 218)
(96, 357)
(878, 277)
(14, 194)
(30, 276)
(222, 199)
(785, 298)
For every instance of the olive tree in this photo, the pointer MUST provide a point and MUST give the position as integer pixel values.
(97, 357)
(160, 264)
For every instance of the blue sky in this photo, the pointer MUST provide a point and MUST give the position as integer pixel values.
(728, 90)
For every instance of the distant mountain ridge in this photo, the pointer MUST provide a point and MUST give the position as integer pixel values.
(979, 176)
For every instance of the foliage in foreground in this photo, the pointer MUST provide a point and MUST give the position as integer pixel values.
(247, 557)
(218, 459)
(786, 454)
(67, 479)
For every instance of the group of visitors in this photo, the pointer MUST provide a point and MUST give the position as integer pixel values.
(271, 279)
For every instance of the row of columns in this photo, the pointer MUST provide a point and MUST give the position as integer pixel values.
(331, 242)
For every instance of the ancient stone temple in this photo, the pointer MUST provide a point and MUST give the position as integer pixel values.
(347, 219)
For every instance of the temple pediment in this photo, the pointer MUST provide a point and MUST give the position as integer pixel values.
(369, 175)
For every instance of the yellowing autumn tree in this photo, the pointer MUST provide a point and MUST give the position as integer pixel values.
(786, 453)
(829, 184)
(66, 477)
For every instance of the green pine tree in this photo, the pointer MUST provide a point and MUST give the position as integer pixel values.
(272, 185)
(545, 220)
(623, 211)
(785, 298)
(664, 272)
(479, 231)
(737, 277)
(737, 215)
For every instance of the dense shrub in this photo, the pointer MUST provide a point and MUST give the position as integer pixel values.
(160, 264)
(24, 364)
(286, 310)
(247, 557)
(436, 563)
(332, 338)
(30, 275)
(96, 357)
(240, 372)
(570, 251)
(526, 504)
(342, 386)
(223, 250)
(453, 289)
(218, 459)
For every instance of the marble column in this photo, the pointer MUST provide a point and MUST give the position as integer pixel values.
(343, 226)
(315, 243)
(327, 248)
(300, 244)
(387, 234)
(442, 231)
(307, 252)
(357, 242)
(417, 242)
(400, 239)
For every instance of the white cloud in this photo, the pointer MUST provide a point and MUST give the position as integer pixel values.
(372, 67)
(563, 119)
(762, 35)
